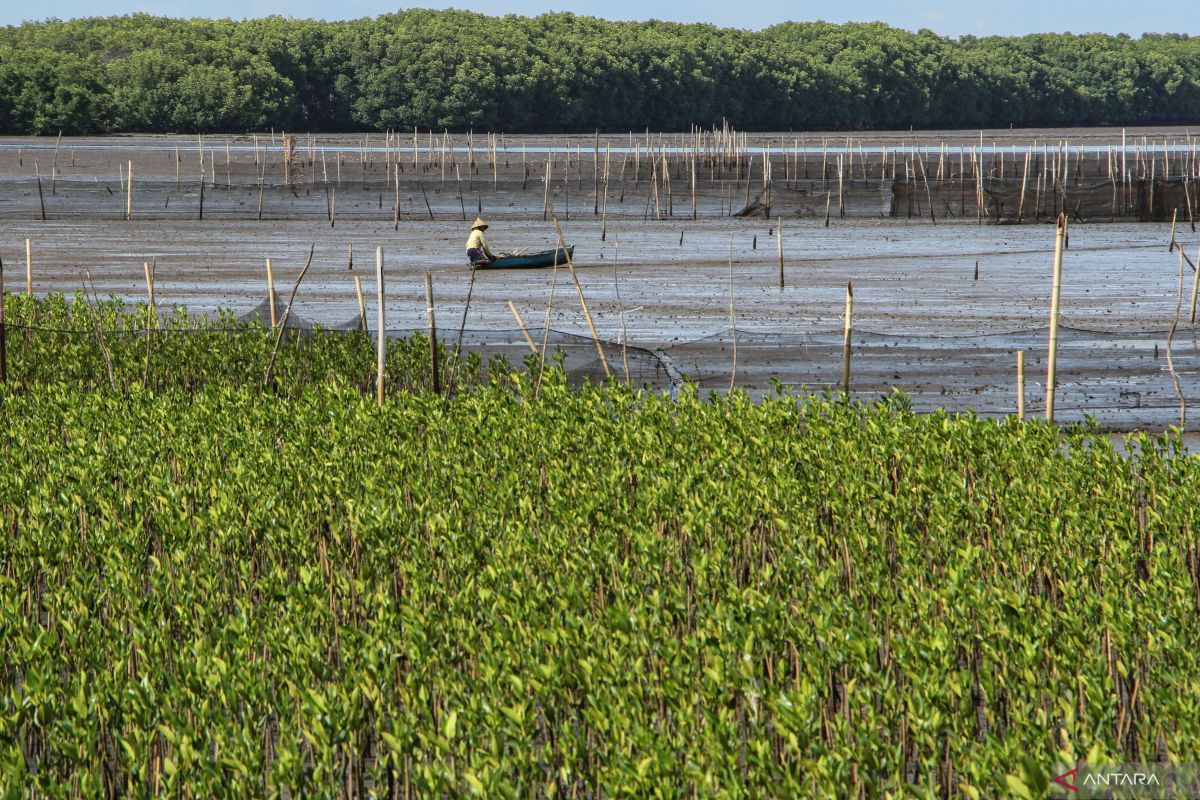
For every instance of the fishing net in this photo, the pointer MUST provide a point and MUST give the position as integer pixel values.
(1122, 378)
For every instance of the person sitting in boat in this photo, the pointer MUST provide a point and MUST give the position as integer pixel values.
(478, 251)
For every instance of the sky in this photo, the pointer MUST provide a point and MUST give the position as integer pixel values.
(946, 17)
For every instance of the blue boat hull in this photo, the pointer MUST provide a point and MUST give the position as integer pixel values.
(533, 260)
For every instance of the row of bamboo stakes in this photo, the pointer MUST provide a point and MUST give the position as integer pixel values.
(1044, 170)
(1060, 240)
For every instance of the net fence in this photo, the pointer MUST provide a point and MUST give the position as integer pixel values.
(1122, 378)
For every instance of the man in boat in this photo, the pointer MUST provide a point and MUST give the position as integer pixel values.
(478, 252)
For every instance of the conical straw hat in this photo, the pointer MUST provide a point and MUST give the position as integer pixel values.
(479, 223)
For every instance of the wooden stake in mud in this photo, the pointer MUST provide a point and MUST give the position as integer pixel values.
(846, 331)
(54, 165)
(1195, 283)
(582, 301)
(596, 176)
(29, 268)
(524, 330)
(271, 292)
(362, 308)
(1055, 290)
(732, 321)
(779, 240)
(149, 270)
(424, 194)
(129, 193)
(286, 313)
(434, 372)
(381, 334)
(1021, 384)
(1024, 184)
(693, 163)
(202, 197)
(41, 197)
(1170, 340)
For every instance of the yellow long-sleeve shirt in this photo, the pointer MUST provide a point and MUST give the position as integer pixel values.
(476, 240)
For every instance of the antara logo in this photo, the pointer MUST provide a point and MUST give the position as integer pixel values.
(1064, 779)
(1121, 779)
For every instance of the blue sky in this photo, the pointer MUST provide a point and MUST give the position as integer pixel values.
(948, 17)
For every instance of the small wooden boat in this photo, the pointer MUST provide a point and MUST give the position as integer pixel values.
(547, 258)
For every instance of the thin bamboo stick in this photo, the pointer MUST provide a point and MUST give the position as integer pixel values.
(434, 372)
(381, 333)
(1055, 291)
(1021, 384)
(28, 268)
(847, 330)
(779, 241)
(732, 320)
(41, 196)
(286, 313)
(149, 271)
(524, 330)
(582, 301)
(1170, 340)
(271, 292)
(362, 307)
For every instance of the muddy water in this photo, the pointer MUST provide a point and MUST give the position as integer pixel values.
(922, 319)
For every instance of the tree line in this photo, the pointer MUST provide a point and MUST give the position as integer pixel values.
(561, 72)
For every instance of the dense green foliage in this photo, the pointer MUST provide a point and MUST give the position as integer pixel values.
(544, 593)
(563, 72)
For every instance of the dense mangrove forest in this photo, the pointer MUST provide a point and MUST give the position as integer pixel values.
(562, 72)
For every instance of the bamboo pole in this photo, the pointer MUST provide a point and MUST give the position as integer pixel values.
(693, 163)
(149, 270)
(582, 301)
(1024, 183)
(362, 307)
(1195, 283)
(524, 330)
(1021, 384)
(596, 176)
(41, 197)
(29, 268)
(129, 193)
(1055, 291)
(381, 333)
(732, 320)
(546, 184)
(286, 313)
(271, 292)
(1170, 340)
(779, 241)
(621, 308)
(846, 335)
(54, 166)
(434, 372)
